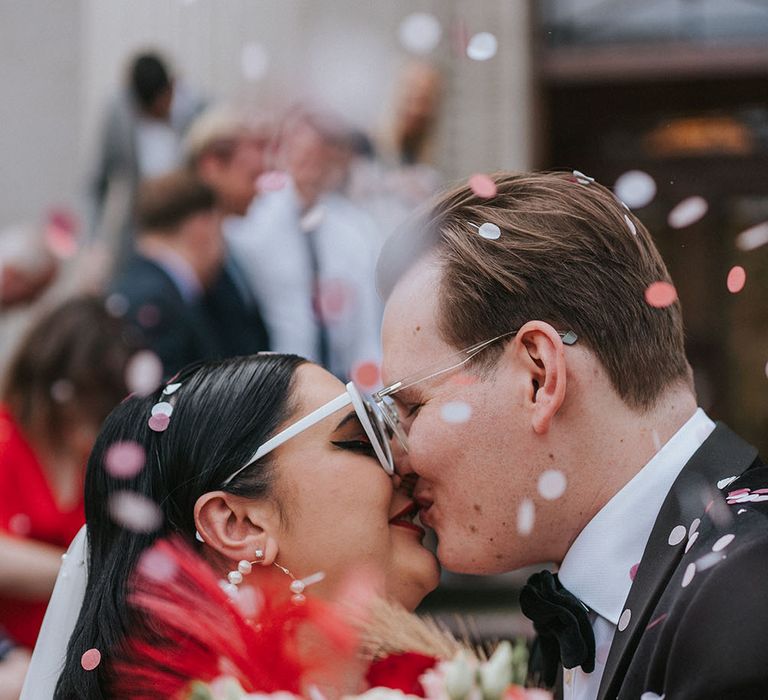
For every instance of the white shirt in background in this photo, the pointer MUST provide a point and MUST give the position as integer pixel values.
(597, 567)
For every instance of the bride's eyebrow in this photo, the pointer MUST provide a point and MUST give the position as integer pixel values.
(348, 418)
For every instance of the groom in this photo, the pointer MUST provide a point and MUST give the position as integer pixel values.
(574, 437)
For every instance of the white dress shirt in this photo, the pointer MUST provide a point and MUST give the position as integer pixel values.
(270, 245)
(596, 569)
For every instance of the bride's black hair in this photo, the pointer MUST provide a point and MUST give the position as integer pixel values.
(223, 411)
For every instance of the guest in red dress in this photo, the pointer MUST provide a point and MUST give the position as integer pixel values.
(67, 374)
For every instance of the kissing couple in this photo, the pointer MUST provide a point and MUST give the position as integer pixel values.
(537, 409)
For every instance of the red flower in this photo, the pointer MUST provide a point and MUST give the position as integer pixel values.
(400, 672)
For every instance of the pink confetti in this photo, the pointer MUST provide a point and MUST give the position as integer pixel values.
(660, 295)
(737, 278)
(655, 622)
(20, 524)
(157, 566)
(159, 422)
(61, 234)
(334, 300)
(91, 659)
(367, 375)
(482, 185)
(124, 460)
(135, 512)
(272, 181)
(737, 492)
(633, 571)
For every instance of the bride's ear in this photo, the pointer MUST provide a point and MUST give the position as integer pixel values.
(238, 527)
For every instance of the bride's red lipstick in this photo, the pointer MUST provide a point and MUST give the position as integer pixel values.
(403, 519)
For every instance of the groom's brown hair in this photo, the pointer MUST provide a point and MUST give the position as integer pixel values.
(570, 254)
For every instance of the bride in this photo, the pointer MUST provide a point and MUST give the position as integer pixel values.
(267, 460)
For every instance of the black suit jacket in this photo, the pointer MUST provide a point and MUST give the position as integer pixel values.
(234, 313)
(699, 619)
(179, 332)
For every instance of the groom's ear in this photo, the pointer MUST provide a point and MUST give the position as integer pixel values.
(236, 526)
(544, 361)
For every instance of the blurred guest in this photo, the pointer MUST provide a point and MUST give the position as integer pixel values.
(66, 376)
(178, 256)
(14, 662)
(227, 151)
(310, 253)
(141, 137)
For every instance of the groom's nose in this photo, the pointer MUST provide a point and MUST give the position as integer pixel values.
(400, 457)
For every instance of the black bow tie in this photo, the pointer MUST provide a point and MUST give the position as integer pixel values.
(562, 624)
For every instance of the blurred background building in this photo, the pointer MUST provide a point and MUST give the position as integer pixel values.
(665, 99)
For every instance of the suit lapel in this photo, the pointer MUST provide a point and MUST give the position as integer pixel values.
(722, 455)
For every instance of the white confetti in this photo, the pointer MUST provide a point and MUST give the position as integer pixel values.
(456, 412)
(583, 179)
(636, 188)
(631, 225)
(694, 526)
(552, 484)
(725, 482)
(254, 61)
(650, 695)
(687, 212)
(740, 511)
(753, 238)
(708, 561)
(694, 537)
(420, 33)
(626, 616)
(482, 46)
(143, 372)
(489, 231)
(526, 514)
(163, 407)
(677, 535)
(722, 543)
(135, 512)
(117, 305)
(690, 571)
(171, 389)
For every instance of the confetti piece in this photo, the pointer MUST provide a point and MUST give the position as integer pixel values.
(313, 219)
(335, 299)
(254, 61)
(752, 238)
(740, 511)
(367, 375)
(20, 524)
(677, 535)
(723, 542)
(660, 295)
(633, 571)
(690, 571)
(489, 231)
(737, 278)
(583, 179)
(482, 186)
(694, 537)
(162, 407)
(171, 389)
(650, 695)
(272, 181)
(90, 659)
(420, 33)
(116, 305)
(482, 46)
(687, 212)
(626, 616)
(61, 234)
(157, 566)
(159, 422)
(657, 621)
(635, 188)
(728, 480)
(143, 373)
(456, 412)
(630, 225)
(708, 561)
(62, 390)
(552, 484)
(135, 512)
(526, 514)
(125, 459)
(694, 526)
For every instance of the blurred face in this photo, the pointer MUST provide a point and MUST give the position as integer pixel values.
(341, 512)
(470, 439)
(310, 161)
(234, 178)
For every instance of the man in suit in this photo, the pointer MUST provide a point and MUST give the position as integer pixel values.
(540, 385)
(178, 257)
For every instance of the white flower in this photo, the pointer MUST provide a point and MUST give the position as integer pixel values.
(496, 673)
(383, 694)
(459, 676)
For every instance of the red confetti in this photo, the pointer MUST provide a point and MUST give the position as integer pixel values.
(124, 460)
(633, 571)
(91, 659)
(737, 278)
(366, 374)
(660, 295)
(159, 422)
(482, 185)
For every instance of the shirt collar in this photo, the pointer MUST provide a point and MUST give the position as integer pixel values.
(596, 568)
